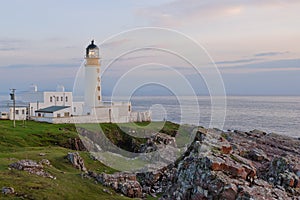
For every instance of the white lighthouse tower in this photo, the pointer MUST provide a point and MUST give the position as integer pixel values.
(92, 93)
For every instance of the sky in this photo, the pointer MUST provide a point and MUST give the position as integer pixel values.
(254, 44)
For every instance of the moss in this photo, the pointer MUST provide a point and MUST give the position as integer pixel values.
(215, 150)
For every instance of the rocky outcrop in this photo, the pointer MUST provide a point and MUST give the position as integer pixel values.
(232, 165)
(75, 144)
(218, 165)
(156, 141)
(124, 183)
(156, 182)
(8, 190)
(32, 167)
(76, 161)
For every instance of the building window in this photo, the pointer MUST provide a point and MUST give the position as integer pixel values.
(17, 112)
(66, 99)
(51, 99)
(129, 108)
(58, 115)
(74, 109)
(67, 114)
(61, 98)
(57, 98)
(23, 112)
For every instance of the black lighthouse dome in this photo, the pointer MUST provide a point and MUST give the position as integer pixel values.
(92, 51)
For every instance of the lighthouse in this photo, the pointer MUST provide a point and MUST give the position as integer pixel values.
(92, 92)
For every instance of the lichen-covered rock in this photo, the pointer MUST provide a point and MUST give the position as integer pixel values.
(236, 174)
(32, 167)
(125, 183)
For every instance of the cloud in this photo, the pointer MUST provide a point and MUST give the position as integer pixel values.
(9, 44)
(269, 66)
(35, 66)
(7, 49)
(113, 43)
(237, 61)
(180, 12)
(272, 53)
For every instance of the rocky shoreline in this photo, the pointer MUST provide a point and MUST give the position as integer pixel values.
(217, 165)
(221, 165)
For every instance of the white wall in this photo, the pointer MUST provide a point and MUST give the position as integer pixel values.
(64, 99)
(20, 113)
(91, 92)
(77, 108)
(58, 99)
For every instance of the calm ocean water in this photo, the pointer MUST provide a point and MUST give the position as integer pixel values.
(279, 114)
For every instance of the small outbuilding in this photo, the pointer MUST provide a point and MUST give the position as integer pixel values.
(50, 113)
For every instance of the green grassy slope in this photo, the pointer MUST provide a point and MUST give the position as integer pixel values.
(35, 138)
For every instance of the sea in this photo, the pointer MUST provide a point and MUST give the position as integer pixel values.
(272, 114)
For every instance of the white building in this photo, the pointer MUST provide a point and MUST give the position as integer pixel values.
(40, 100)
(20, 113)
(59, 107)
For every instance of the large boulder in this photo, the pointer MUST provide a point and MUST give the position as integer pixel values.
(125, 183)
(76, 161)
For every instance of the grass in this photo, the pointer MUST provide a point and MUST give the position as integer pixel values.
(52, 139)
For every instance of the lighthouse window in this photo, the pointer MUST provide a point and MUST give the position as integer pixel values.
(99, 98)
(66, 99)
(98, 88)
(51, 99)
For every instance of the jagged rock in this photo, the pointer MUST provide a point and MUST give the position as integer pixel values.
(226, 149)
(125, 183)
(202, 174)
(279, 172)
(32, 167)
(156, 141)
(256, 155)
(75, 144)
(8, 190)
(229, 192)
(257, 133)
(76, 161)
